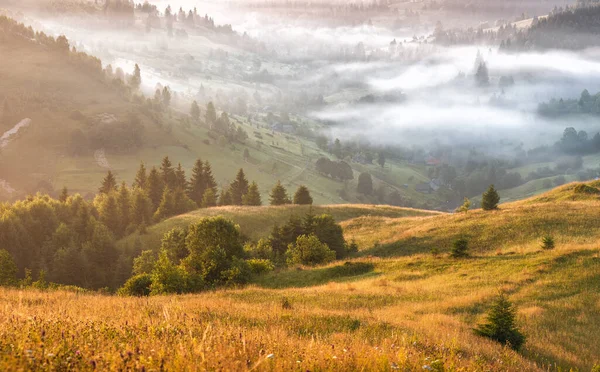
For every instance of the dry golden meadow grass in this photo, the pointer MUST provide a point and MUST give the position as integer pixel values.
(394, 312)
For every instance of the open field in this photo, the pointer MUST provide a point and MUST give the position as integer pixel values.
(398, 314)
(398, 307)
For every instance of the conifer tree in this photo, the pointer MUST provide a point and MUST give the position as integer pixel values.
(64, 195)
(197, 185)
(278, 195)
(239, 188)
(109, 213)
(302, 196)
(136, 79)
(141, 208)
(140, 177)
(225, 198)
(109, 184)
(167, 173)
(209, 178)
(195, 111)
(180, 180)
(154, 188)
(166, 207)
(500, 325)
(252, 197)
(490, 199)
(210, 114)
(464, 208)
(124, 202)
(209, 199)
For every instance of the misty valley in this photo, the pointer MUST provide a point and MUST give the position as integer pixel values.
(300, 185)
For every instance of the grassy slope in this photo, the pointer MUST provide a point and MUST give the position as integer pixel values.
(257, 222)
(377, 313)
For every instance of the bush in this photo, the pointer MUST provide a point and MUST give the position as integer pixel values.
(260, 266)
(238, 273)
(548, 243)
(500, 324)
(460, 248)
(585, 189)
(138, 285)
(308, 250)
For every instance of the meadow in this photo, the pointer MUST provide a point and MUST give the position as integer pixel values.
(396, 306)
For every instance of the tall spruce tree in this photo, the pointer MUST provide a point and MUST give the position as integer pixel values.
(239, 188)
(209, 178)
(109, 184)
(167, 173)
(154, 187)
(180, 180)
(197, 185)
(278, 195)
(124, 203)
(252, 197)
(302, 196)
(140, 177)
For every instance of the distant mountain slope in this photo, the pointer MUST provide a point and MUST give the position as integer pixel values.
(572, 28)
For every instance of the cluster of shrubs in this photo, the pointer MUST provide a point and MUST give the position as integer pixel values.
(211, 253)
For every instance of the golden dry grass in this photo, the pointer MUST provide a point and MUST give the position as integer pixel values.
(400, 312)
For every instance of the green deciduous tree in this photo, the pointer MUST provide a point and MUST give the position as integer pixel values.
(365, 184)
(8, 269)
(308, 250)
(213, 243)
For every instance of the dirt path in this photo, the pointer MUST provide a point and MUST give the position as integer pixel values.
(5, 139)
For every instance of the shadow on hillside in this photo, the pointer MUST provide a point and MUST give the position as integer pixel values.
(349, 271)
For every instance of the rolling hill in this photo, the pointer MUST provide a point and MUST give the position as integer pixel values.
(257, 222)
(396, 306)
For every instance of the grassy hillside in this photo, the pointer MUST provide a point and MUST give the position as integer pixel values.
(401, 308)
(568, 214)
(257, 222)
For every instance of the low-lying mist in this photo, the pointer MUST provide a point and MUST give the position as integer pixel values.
(414, 94)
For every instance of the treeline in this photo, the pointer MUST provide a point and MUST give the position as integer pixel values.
(212, 253)
(13, 32)
(586, 104)
(571, 28)
(72, 241)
